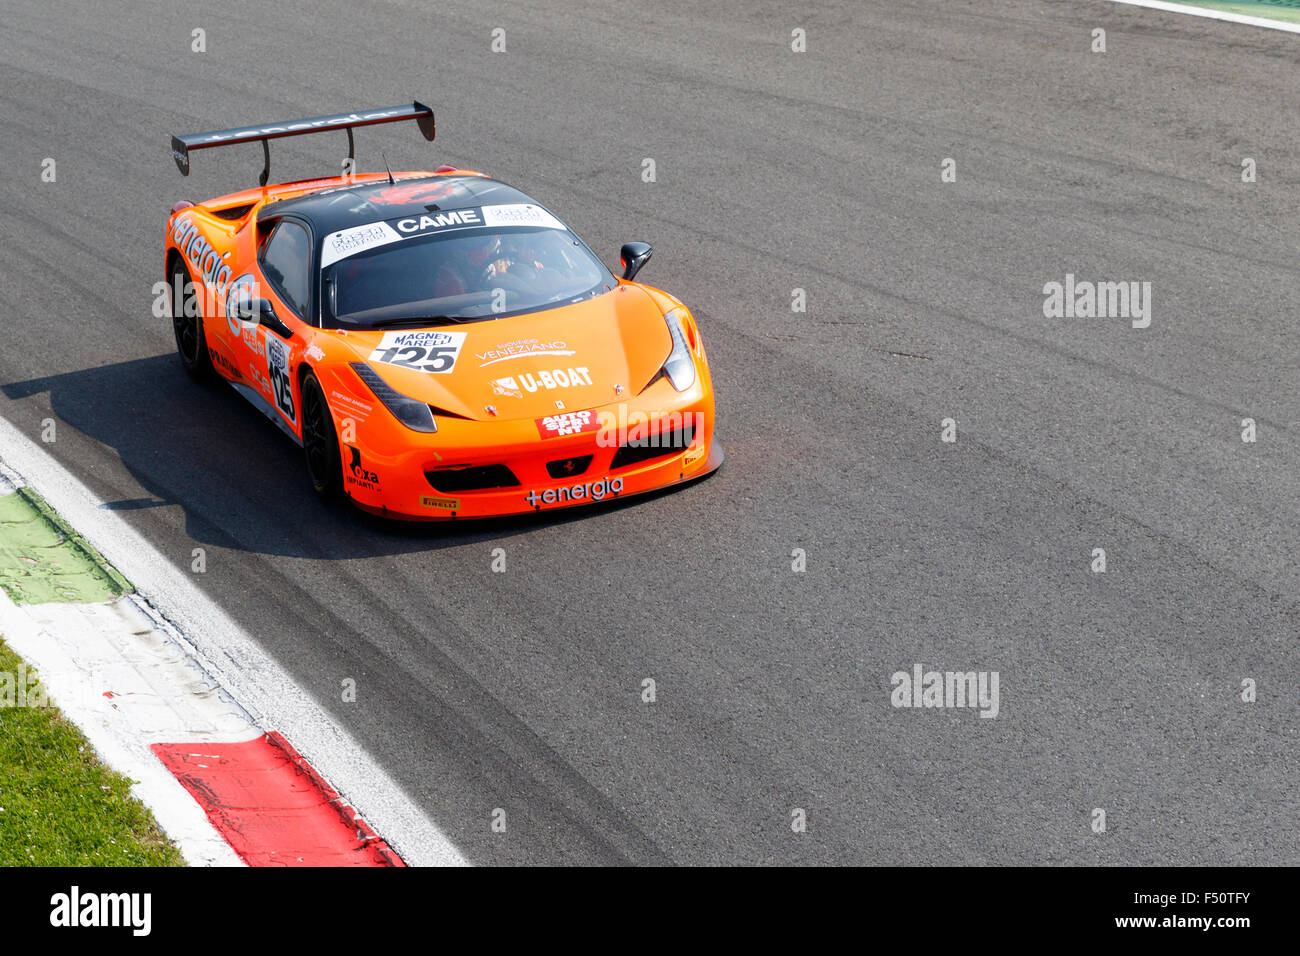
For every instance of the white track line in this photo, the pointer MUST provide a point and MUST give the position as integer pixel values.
(1265, 22)
(234, 660)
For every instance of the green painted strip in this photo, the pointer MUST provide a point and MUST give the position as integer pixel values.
(117, 582)
(42, 559)
(1288, 10)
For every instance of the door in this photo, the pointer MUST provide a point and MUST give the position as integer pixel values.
(285, 263)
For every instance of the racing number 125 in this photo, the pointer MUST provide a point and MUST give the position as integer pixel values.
(283, 391)
(423, 358)
(277, 366)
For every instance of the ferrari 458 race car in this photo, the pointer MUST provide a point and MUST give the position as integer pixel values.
(441, 345)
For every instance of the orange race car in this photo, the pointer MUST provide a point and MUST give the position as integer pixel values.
(441, 345)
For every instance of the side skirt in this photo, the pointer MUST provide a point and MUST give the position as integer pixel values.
(265, 407)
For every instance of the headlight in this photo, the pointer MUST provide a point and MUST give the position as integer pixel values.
(414, 415)
(679, 367)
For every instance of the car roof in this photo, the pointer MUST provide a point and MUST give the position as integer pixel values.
(330, 210)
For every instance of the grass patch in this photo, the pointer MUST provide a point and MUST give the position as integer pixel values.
(1288, 10)
(59, 806)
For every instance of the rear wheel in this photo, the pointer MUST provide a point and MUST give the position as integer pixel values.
(188, 324)
(320, 443)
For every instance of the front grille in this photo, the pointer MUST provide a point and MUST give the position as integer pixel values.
(568, 467)
(659, 445)
(475, 478)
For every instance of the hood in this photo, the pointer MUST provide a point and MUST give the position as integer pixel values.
(524, 365)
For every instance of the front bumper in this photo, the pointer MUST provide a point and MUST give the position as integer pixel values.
(424, 480)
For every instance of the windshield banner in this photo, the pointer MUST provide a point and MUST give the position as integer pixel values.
(349, 242)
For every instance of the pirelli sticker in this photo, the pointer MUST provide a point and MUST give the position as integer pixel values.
(447, 504)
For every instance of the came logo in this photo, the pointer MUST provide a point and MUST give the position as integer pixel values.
(458, 218)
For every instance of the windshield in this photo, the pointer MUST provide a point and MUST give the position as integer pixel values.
(458, 265)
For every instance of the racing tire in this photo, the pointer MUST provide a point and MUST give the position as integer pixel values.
(320, 443)
(188, 325)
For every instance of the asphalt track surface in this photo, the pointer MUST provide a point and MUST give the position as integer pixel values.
(775, 170)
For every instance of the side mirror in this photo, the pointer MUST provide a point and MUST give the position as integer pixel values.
(633, 256)
(266, 316)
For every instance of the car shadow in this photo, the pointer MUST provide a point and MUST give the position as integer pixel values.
(241, 482)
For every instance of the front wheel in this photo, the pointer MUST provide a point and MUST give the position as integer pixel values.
(188, 324)
(320, 442)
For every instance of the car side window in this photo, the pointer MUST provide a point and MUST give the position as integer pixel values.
(286, 260)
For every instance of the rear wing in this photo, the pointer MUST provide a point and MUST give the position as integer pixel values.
(181, 145)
